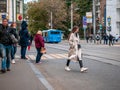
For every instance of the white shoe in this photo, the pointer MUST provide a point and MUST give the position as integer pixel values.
(13, 61)
(67, 68)
(83, 69)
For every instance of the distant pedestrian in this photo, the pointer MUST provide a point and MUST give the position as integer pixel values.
(105, 37)
(91, 38)
(39, 44)
(75, 52)
(24, 39)
(116, 37)
(5, 46)
(14, 45)
(110, 40)
(98, 38)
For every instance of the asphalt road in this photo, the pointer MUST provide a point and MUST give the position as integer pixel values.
(102, 62)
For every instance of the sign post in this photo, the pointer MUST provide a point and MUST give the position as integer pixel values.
(84, 25)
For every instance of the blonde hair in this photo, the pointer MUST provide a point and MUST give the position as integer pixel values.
(39, 32)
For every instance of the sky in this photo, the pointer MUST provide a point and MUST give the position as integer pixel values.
(25, 1)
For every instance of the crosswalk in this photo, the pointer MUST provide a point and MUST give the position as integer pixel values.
(46, 56)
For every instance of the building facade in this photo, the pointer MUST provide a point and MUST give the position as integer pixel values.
(113, 12)
(103, 12)
(12, 10)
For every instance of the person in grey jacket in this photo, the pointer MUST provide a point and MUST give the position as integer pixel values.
(75, 52)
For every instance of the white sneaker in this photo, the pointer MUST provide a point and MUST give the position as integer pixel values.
(83, 69)
(13, 61)
(67, 68)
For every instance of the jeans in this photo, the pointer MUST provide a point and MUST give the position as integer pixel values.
(23, 51)
(13, 51)
(39, 54)
(6, 51)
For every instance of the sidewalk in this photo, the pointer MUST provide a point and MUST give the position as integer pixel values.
(21, 77)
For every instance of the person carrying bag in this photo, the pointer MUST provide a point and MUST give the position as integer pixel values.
(39, 44)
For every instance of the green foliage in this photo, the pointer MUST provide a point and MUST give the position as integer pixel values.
(39, 14)
(38, 17)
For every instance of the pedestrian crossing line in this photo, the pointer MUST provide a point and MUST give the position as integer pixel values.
(66, 55)
(62, 55)
(17, 57)
(46, 56)
(55, 55)
(32, 57)
(43, 57)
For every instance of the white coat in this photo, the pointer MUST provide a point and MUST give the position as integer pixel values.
(74, 53)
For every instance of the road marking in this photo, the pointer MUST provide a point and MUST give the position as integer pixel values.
(46, 56)
(32, 57)
(40, 76)
(55, 55)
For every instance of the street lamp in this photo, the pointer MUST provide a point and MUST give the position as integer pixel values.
(72, 9)
(94, 20)
(71, 15)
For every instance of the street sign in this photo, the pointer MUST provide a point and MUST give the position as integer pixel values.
(84, 22)
(3, 16)
(89, 17)
(89, 14)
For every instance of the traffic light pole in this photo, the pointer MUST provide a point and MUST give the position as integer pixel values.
(71, 15)
(94, 21)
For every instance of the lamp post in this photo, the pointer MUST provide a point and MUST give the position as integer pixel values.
(71, 15)
(94, 21)
(51, 16)
(51, 22)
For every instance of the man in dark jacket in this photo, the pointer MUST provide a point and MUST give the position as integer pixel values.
(24, 39)
(5, 45)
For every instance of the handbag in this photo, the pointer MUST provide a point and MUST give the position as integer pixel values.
(43, 50)
(13, 39)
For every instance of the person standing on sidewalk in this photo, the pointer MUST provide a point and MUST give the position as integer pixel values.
(5, 45)
(75, 52)
(110, 40)
(24, 39)
(14, 45)
(39, 43)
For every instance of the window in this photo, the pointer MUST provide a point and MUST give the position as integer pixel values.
(3, 5)
(55, 32)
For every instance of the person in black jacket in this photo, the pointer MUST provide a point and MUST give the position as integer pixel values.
(5, 45)
(24, 39)
(110, 40)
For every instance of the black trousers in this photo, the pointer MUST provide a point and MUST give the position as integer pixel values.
(80, 63)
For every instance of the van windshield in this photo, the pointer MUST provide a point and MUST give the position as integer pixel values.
(55, 32)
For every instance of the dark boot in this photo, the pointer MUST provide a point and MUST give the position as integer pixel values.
(81, 63)
(67, 65)
(68, 62)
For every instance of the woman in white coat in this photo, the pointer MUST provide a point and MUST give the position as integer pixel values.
(75, 49)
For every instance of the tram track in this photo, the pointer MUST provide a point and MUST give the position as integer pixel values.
(92, 55)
